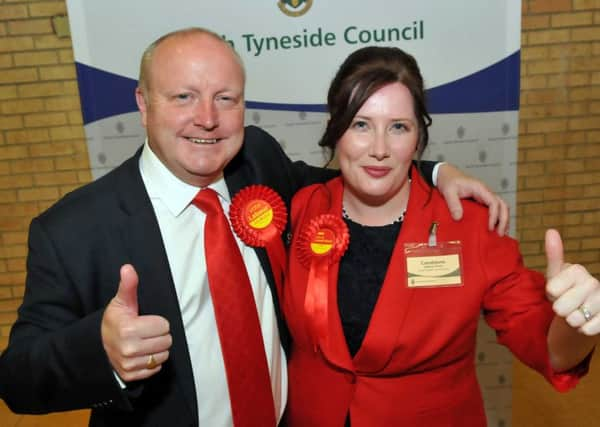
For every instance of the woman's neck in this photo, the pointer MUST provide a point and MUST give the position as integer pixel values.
(376, 212)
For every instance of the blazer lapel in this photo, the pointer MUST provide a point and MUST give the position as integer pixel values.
(141, 237)
(334, 348)
(388, 318)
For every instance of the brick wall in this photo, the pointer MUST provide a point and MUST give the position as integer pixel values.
(42, 147)
(559, 175)
(559, 144)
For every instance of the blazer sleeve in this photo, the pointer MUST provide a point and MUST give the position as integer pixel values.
(517, 308)
(55, 360)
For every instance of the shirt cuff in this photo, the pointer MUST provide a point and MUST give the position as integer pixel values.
(434, 174)
(120, 381)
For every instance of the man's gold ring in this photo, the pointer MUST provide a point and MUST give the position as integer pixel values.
(151, 363)
(586, 313)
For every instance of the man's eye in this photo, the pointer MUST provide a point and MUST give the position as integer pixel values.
(226, 98)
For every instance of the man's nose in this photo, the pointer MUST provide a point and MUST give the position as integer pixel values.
(206, 115)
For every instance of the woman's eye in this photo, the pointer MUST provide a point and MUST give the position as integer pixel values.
(359, 124)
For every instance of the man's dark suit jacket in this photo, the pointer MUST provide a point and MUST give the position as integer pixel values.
(55, 360)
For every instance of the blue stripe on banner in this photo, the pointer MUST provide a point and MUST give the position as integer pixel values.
(311, 108)
(104, 94)
(494, 88)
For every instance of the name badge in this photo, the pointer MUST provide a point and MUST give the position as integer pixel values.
(437, 266)
(433, 264)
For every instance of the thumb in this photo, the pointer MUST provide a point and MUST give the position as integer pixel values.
(554, 253)
(127, 292)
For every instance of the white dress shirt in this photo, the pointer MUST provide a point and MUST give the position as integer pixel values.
(182, 229)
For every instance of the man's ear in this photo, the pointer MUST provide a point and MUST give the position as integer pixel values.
(142, 105)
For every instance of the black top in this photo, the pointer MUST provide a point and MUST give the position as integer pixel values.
(362, 272)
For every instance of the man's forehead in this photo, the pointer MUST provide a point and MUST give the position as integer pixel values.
(200, 51)
(197, 45)
(194, 41)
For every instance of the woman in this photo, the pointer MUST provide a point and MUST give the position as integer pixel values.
(384, 290)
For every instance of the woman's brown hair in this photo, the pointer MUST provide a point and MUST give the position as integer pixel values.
(362, 74)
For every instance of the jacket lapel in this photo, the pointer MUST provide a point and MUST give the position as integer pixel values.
(237, 176)
(141, 237)
(389, 315)
(334, 348)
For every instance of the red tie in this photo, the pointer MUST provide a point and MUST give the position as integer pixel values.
(237, 320)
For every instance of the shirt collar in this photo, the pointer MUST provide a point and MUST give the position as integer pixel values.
(162, 184)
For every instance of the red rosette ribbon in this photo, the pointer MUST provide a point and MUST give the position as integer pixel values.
(258, 216)
(320, 244)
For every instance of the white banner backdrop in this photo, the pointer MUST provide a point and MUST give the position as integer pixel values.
(468, 51)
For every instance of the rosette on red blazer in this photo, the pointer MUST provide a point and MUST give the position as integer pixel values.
(320, 244)
(258, 216)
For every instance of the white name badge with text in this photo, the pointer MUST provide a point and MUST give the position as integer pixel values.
(433, 266)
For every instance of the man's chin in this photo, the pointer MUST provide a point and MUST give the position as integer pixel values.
(201, 177)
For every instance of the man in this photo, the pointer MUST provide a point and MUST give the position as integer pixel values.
(117, 313)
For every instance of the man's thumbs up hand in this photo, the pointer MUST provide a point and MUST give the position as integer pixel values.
(126, 296)
(136, 345)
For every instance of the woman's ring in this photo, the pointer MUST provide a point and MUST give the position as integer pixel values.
(586, 313)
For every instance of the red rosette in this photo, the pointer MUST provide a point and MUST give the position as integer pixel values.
(320, 244)
(258, 215)
(325, 237)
